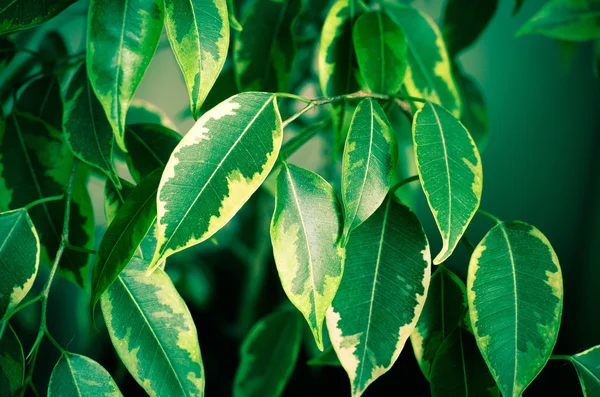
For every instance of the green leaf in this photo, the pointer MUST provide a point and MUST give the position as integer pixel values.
(459, 370)
(264, 51)
(52, 50)
(464, 21)
(269, 354)
(8, 50)
(141, 111)
(327, 358)
(380, 48)
(76, 375)
(233, 22)
(122, 38)
(12, 362)
(210, 174)
(124, 234)
(475, 115)
(305, 230)
(516, 322)
(86, 127)
(382, 293)
(449, 167)
(368, 164)
(153, 332)
(19, 257)
(587, 365)
(444, 309)
(42, 99)
(198, 31)
(429, 73)
(571, 20)
(23, 14)
(35, 163)
(518, 5)
(149, 147)
(114, 198)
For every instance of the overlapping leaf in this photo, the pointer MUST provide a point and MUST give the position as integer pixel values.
(114, 199)
(42, 99)
(198, 31)
(382, 293)
(76, 375)
(475, 115)
(215, 169)
(464, 21)
(449, 167)
(516, 322)
(587, 365)
(429, 73)
(122, 38)
(143, 112)
(149, 147)
(305, 230)
(17, 15)
(19, 257)
(12, 362)
(380, 48)
(269, 354)
(368, 165)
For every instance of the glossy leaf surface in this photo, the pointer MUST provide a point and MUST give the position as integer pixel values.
(587, 365)
(12, 362)
(17, 15)
(76, 375)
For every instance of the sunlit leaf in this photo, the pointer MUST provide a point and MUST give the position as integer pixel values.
(429, 72)
(12, 362)
(587, 365)
(149, 147)
(269, 354)
(516, 322)
(449, 167)
(305, 230)
(76, 375)
(380, 48)
(464, 21)
(122, 38)
(212, 173)
(198, 31)
(382, 293)
(17, 15)
(368, 165)
(444, 309)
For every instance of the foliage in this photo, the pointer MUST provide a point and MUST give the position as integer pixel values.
(350, 253)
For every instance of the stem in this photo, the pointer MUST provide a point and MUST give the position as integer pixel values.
(411, 98)
(22, 306)
(300, 113)
(301, 138)
(80, 249)
(468, 244)
(404, 182)
(560, 357)
(292, 96)
(489, 216)
(44, 200)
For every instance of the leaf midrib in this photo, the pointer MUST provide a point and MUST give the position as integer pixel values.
(443, 138)
(514, 276)
(93, 120)
(72, 372)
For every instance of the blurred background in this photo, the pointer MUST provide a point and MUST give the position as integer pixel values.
(540, 166)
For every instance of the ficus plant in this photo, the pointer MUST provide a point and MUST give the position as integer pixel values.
(356, 282)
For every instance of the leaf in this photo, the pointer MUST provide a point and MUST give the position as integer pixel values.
(516, 322)
(368, 164)
(8, 50)
(305, 230)
(212, 173)
(264, 51)
(150, 146)
(12, 362)
(19, 257)
(429, 73)
(587, 365)
(269, 354)
(518, 5)
(233, 22)
(444, 309)
(86, 127)
(475, 114)
(124, 234)
(464, 21)
(122, 38)
(141, 111)
(114, 198)
(23, 14)
(380, 298)
(153, 332)
(327, 358)
(42, 99)
(459, 370)
(449, 167)
(571, 20)
(198, 31)
(76, 375)
(380, 48)
(52, 50)
(35, 162)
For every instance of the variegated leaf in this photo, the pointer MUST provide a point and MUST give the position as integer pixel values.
(42, 99)
(17, 15)
(122, 38)
(19, 257)
(381, 296)
(429, 72)
(305, 232)
(149, 147)
(12, 362)
(86, 127)
(78, 376)
(114, 198)
(444, 310)
(215, 169)
(587, 365)
(449, 167)
(269, 354)
(153, 332)
(198, 31)
(516, 322)
(124, 234)
(368, 164)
